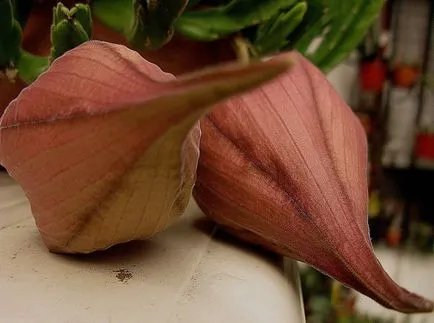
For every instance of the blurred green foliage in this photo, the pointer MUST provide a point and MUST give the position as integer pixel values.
(265, 27)
(320, 307)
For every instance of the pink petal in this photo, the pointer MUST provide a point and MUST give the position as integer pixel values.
(105, 144)
(286, 167)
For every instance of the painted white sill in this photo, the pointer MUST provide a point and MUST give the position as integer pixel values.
(191, 273)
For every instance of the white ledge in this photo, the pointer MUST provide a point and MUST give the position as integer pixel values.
(191, 273)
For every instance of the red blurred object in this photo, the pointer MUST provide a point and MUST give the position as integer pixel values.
(405, 76)
(373, 74)
(393, 237)
(425, 146)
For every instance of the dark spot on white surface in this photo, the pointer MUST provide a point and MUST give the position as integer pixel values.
(123, 275)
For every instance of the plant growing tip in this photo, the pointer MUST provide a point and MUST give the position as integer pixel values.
(70, 28)
(153, 22)
(114, 142)
(285, 166)
(10, 37)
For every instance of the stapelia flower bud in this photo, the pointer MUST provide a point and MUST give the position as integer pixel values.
(105, 145)
(285, 166)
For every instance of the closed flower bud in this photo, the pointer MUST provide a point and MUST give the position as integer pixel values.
(105, 145)
(285, 166)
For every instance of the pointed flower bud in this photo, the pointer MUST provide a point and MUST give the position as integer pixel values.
(285, 166)
(105, 144)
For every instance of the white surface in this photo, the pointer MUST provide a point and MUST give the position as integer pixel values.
(401, 127)
(344, 79)
(190, 273)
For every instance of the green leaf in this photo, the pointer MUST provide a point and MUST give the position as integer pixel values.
(214, 23)
(115, 14)
(272, 34)
(313, 31)
(153, 22)
(352, 35)
(10, 35)
(340, 24)
(315, 11)
(31, 66)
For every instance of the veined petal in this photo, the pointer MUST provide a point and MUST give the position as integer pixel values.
(286, 167)
(105, 144)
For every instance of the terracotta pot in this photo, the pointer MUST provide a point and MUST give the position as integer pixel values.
(178, 57)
